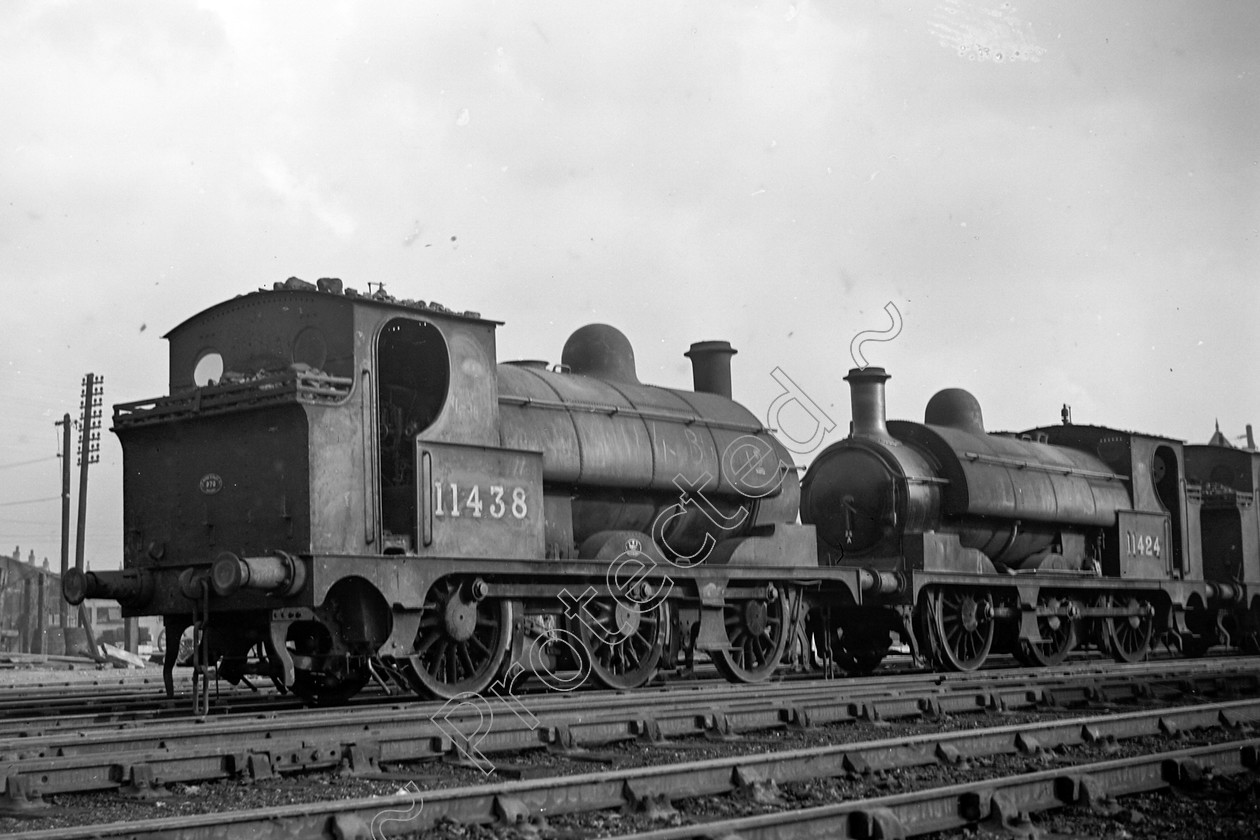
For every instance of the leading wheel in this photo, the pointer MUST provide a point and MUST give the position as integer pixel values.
(461, 642)
(859, 655)
(1196, 646)
(1202, 635)
(1128, 637)
(957, 624)
(624, 643)
(1249, 631)
(857, 646)
(1058, 632)
(320, 676)
(757, 630)
(324, 689)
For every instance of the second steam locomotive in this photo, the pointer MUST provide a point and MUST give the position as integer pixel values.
(342, 487)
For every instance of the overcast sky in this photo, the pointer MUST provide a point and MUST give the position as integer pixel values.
(1062, 200)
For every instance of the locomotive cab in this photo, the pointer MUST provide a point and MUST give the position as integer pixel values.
(289, 434)
(1228, 481)
(305, 442)
(1154, 537)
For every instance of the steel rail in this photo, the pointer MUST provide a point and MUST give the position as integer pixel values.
(42, 714)
(1003, 803)
(38, 707)
(84, 712)
(1066, 682)
(919, 812)
(748, 707)
(139, 756)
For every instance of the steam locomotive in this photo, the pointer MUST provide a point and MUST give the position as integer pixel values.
(343, 487)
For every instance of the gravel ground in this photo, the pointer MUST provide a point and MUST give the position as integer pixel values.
(1222, 809)
(1228, 809)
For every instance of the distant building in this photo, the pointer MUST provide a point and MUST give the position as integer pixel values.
(30, 602)
(107, 625)
(1219, 439)
(30, 610)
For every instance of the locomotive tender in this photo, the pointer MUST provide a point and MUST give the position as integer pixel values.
(351, 487)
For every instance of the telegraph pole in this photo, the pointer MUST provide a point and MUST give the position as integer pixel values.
(64, 423)
(89, 451)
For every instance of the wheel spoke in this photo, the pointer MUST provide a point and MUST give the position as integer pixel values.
(756, 631)
(621, 659)
(455, 652)
(1129, 636)
(962, 627)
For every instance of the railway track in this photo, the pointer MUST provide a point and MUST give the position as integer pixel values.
(409, 732)
(116, 697)
(1002, 802)
(73, 705)
(999, 797)
(138, 758)
(142, 693)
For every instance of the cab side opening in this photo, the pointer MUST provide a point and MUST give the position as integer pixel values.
(413, 377)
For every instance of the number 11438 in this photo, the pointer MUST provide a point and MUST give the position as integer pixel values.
(498, 501)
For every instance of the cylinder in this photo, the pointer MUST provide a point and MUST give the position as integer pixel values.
(711, 367)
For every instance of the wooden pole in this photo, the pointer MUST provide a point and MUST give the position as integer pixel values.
(85, 619)
(89, 384)
(39, 642)
(64, 612)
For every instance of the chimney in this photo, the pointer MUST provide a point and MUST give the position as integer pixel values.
(866, 390)
(711, 367)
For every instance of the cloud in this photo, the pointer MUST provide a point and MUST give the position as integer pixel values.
(304, 195)
(683, 170)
